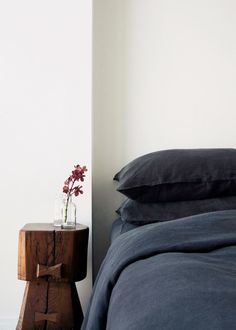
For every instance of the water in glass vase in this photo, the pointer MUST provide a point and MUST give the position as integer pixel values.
(68, 214)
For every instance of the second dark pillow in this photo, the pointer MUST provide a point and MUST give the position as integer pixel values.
(134, 212)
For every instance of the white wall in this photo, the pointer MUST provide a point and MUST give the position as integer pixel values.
(45, 120)
(164, 77)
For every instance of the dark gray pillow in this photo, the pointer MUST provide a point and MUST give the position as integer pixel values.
(181, 174)
(139, 213)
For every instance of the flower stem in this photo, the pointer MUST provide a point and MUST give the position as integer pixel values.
(67, 201)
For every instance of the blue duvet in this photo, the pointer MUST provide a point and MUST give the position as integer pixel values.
(176, 275)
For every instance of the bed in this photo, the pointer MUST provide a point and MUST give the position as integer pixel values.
(120, 227)
(165, 271)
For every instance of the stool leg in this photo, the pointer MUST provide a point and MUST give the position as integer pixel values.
(50, 305)
(77, 309)
(35, 299)
(63, 299)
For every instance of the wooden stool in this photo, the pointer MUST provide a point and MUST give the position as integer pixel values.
(51, 260)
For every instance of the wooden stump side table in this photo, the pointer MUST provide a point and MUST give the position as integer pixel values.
(51, 260)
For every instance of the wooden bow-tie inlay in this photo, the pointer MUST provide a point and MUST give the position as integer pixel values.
(52, 317)
(54, 271)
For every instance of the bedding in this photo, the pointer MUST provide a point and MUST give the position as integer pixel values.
(180, 174)
(175, 275)
(134, 212)
(120, 227)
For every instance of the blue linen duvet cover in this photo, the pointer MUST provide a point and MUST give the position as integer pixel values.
(176, 275)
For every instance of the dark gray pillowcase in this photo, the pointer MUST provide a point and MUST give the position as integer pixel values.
(181, 174)
(139, 213)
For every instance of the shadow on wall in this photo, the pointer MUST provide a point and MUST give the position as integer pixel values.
(108, 118)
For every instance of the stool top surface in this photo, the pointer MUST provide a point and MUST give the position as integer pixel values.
(42, 244)
(50, 227)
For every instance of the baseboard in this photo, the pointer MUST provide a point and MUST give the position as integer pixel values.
(8, 324)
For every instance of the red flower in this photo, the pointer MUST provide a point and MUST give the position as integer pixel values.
(77, 190)
(68, 181)
(78, 174)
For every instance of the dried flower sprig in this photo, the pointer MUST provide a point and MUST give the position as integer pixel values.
(78, 174)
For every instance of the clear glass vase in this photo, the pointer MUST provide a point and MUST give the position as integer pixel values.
(57, 222)
(68, 214)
